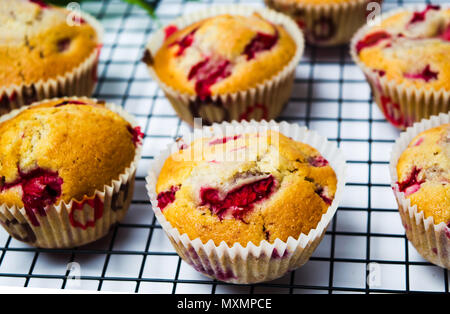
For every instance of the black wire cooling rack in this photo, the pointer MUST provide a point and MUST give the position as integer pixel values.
(364, 250)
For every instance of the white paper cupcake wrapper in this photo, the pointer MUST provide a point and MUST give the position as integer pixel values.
(80, 81)
(55, 229)
(430, 240)
(401, 104)
(325, 24)
(265, 101)
(263, 261)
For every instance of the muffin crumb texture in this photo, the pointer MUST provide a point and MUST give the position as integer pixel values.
(63, 150)
(423, 173)
(246, 187)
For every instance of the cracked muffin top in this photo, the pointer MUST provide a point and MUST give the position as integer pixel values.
(410, 47)
(222, 54)
(248, 187)
(423, 173)
(37, 43)
(62, 150)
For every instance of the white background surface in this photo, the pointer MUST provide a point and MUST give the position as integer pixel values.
(330, 96)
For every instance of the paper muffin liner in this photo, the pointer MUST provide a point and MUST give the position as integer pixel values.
(402, 105)
(431, 240)
(80, 81)
(325, 24)
(265, 101)
(263, 261)
(67, 225)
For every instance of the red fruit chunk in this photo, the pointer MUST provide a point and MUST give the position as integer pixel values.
(238, 201)
(419, 141)
(170, 30)
(260, 42)
(184, 43)
(420, 16)
(167, 197)
(380, 72)
(322, 193)
(372, 40)
(77, 19)
(137, 135)
(40, 188)
(411, 184)
(427, 75)
(224, 140)
(445, 34)
(318, 161)
(208, 72)
(96, 204)
(40, 3)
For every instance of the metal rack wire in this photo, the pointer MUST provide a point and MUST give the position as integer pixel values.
(330, 96)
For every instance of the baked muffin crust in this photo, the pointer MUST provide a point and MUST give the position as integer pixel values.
(37, 43)
(411, 48)
(248, 187)
(62, 150)
(423, 173)
(222, 54)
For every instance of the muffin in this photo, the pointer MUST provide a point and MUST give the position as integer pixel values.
(67, 167)
(256, 191)
(420, 177)
(326, 22)
(226, 63)
(45, 52)
(406, 60)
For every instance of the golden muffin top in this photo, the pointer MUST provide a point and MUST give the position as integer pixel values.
(423, 172)
(410, 47)
(247, 187)
(63, 149)
(37, 42)
(222, 54)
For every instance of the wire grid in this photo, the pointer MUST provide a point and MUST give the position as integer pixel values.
(330, 96)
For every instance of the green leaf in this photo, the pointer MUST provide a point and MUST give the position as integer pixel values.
(146, 6)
